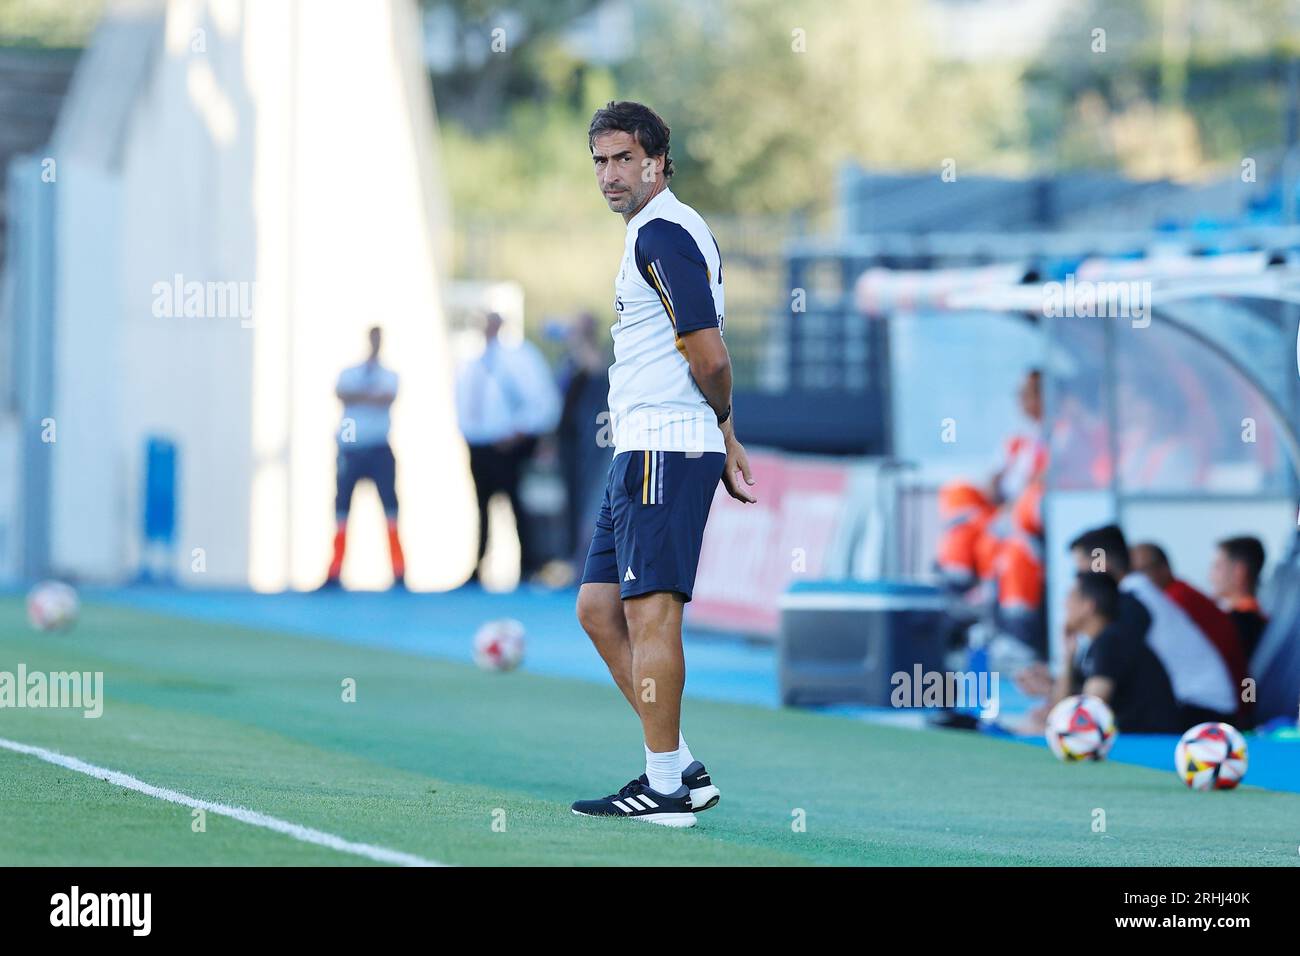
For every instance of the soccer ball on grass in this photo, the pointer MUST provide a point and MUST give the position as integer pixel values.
(1211, 756)
(1081, 727)
(499, 645)
(52, 606)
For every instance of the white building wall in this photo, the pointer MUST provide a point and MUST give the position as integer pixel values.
(286, 148)
(90, 516)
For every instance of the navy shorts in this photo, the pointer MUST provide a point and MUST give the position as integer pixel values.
(651, 522)
(371, 461)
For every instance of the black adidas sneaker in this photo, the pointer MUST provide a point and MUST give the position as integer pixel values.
(638, 802)
(704, 795)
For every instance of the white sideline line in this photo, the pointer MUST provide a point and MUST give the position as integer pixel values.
(306, 834)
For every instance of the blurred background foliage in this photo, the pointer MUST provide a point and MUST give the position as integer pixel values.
(1178, 89)
(48, 23)
(767, 98)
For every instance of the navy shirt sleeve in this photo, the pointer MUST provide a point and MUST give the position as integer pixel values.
(672, 263)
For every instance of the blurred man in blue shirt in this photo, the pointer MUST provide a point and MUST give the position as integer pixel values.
(367, 391)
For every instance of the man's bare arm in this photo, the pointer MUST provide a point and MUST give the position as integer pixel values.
(1102, 687)
(383, 400)
(710, 364)
(1064, 684)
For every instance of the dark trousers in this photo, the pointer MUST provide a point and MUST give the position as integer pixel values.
(574, 492)
(495, 470)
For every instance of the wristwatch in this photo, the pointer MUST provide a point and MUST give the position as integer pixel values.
(725, 415)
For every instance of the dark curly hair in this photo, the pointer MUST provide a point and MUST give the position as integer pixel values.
(646, 126)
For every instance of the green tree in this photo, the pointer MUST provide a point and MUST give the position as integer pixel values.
(49, 23)
(768, 97)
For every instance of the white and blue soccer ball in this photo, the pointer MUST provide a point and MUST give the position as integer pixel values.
(52, 606)
(499, 645)
(1211, 756)
(1081, 727)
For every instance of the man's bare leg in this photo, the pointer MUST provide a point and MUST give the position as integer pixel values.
(604, 616)
(654, 624)
(651, 677)
(600, 612)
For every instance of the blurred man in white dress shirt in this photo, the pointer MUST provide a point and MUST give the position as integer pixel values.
(506, 399)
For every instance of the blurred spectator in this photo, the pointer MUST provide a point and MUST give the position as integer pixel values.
(505, 400)
(1079, 454)
(1154, 450)
(1201, 681)
(993, 534)
(584, 382)
(366, 391)
(1234, 575)
(1117, 665)
(1150, 559)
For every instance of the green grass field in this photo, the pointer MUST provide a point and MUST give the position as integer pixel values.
(433, 754)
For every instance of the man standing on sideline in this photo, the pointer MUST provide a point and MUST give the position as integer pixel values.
(506, 400)
(367, 391)
(674, 439)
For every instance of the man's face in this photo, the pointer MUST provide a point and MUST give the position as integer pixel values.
(1031, 397)
(1223, 574)
(1146, 562)
(1076, 609)
(624, 173)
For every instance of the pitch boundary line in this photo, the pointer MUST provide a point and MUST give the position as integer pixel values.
(298, 832)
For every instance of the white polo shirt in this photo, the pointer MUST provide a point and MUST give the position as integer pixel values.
(669, 283)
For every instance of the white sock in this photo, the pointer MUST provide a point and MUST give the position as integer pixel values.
(685, 751)
(664, 771)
